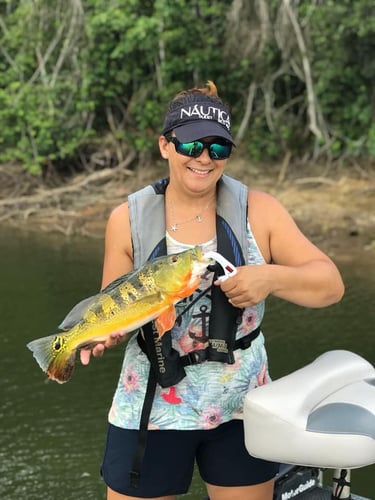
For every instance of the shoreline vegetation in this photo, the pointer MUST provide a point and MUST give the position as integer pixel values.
(336, 211)
(82, 100)
(87, 82)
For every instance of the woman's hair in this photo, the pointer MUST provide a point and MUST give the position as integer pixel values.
(187, 96)
(210, 90)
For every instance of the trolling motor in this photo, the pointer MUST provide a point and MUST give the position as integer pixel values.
(321, 416)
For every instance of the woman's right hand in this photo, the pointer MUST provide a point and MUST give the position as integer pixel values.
(97, 351)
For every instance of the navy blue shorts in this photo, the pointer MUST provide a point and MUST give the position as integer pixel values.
(168, 463)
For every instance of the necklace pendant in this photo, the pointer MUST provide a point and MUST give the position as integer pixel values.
(199, 218)
(174, 227)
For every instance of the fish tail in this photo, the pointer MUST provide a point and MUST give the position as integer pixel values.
(53, 357)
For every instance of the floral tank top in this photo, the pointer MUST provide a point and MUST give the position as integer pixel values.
(212, 392)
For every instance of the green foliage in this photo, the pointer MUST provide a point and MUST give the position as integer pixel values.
(343, 41)
(75, 72)
(45, 108)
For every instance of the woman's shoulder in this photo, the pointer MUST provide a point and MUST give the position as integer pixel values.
(119, 216)
(262, 197)
(118, 224)
(120, 210)
(264, 203)
(266, 214)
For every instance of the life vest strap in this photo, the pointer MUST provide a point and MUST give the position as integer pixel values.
(201, 355)
(135, 473)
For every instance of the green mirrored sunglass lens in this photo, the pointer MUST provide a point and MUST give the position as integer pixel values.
(193, 149)
(220, 151)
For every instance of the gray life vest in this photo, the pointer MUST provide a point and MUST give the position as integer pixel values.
(147, 218)
(147, 215)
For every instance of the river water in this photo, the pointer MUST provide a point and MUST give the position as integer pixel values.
(52, 436)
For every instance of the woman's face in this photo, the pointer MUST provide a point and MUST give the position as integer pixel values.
(196, 175)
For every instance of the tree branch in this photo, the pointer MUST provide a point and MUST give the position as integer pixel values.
(248, 110)
(311, 104)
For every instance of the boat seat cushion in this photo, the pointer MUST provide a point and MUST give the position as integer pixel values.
(322, 415)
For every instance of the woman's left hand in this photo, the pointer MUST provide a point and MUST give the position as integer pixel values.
(249, 286)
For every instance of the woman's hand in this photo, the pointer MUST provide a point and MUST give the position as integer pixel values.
(97, 351)
(316, 283)
(249, 286)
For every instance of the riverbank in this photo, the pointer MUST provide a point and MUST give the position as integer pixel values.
(336, 211)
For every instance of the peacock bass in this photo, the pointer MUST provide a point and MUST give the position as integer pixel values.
(148, 293)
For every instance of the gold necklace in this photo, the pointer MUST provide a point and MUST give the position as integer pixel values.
(198, 218)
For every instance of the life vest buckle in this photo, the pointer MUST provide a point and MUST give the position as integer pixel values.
(194, 357)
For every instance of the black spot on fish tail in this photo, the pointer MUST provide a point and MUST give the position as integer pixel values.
(53, 357)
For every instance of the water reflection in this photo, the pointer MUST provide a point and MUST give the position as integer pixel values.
(53, 435)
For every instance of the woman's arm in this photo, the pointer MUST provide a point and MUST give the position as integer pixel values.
(118, 251)
(118, 260)
(296, 269)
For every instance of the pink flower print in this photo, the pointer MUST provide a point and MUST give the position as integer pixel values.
(248, 320)
(130, 380)
(262, 376)
(192, 340)
(212, 417)
(186, 343)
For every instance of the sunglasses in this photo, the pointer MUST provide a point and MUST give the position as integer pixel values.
(219, 149)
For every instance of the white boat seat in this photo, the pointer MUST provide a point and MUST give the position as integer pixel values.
(322, 415)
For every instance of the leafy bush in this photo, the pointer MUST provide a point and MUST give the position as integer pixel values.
(80, 75)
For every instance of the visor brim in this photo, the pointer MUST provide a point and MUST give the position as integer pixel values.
(199, 129)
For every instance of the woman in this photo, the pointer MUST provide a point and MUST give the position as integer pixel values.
(195, 414)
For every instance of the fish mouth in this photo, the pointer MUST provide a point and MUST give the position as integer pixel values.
(203, 258)
(200, 262)
(200, 265)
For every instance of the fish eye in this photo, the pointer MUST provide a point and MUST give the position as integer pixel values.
(174, 259)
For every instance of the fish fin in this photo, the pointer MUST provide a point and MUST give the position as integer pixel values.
(118, 281)
(76, 314)
(62, 371)
(191, 287)
(165, 320)
(42, 351)
(57, 363)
